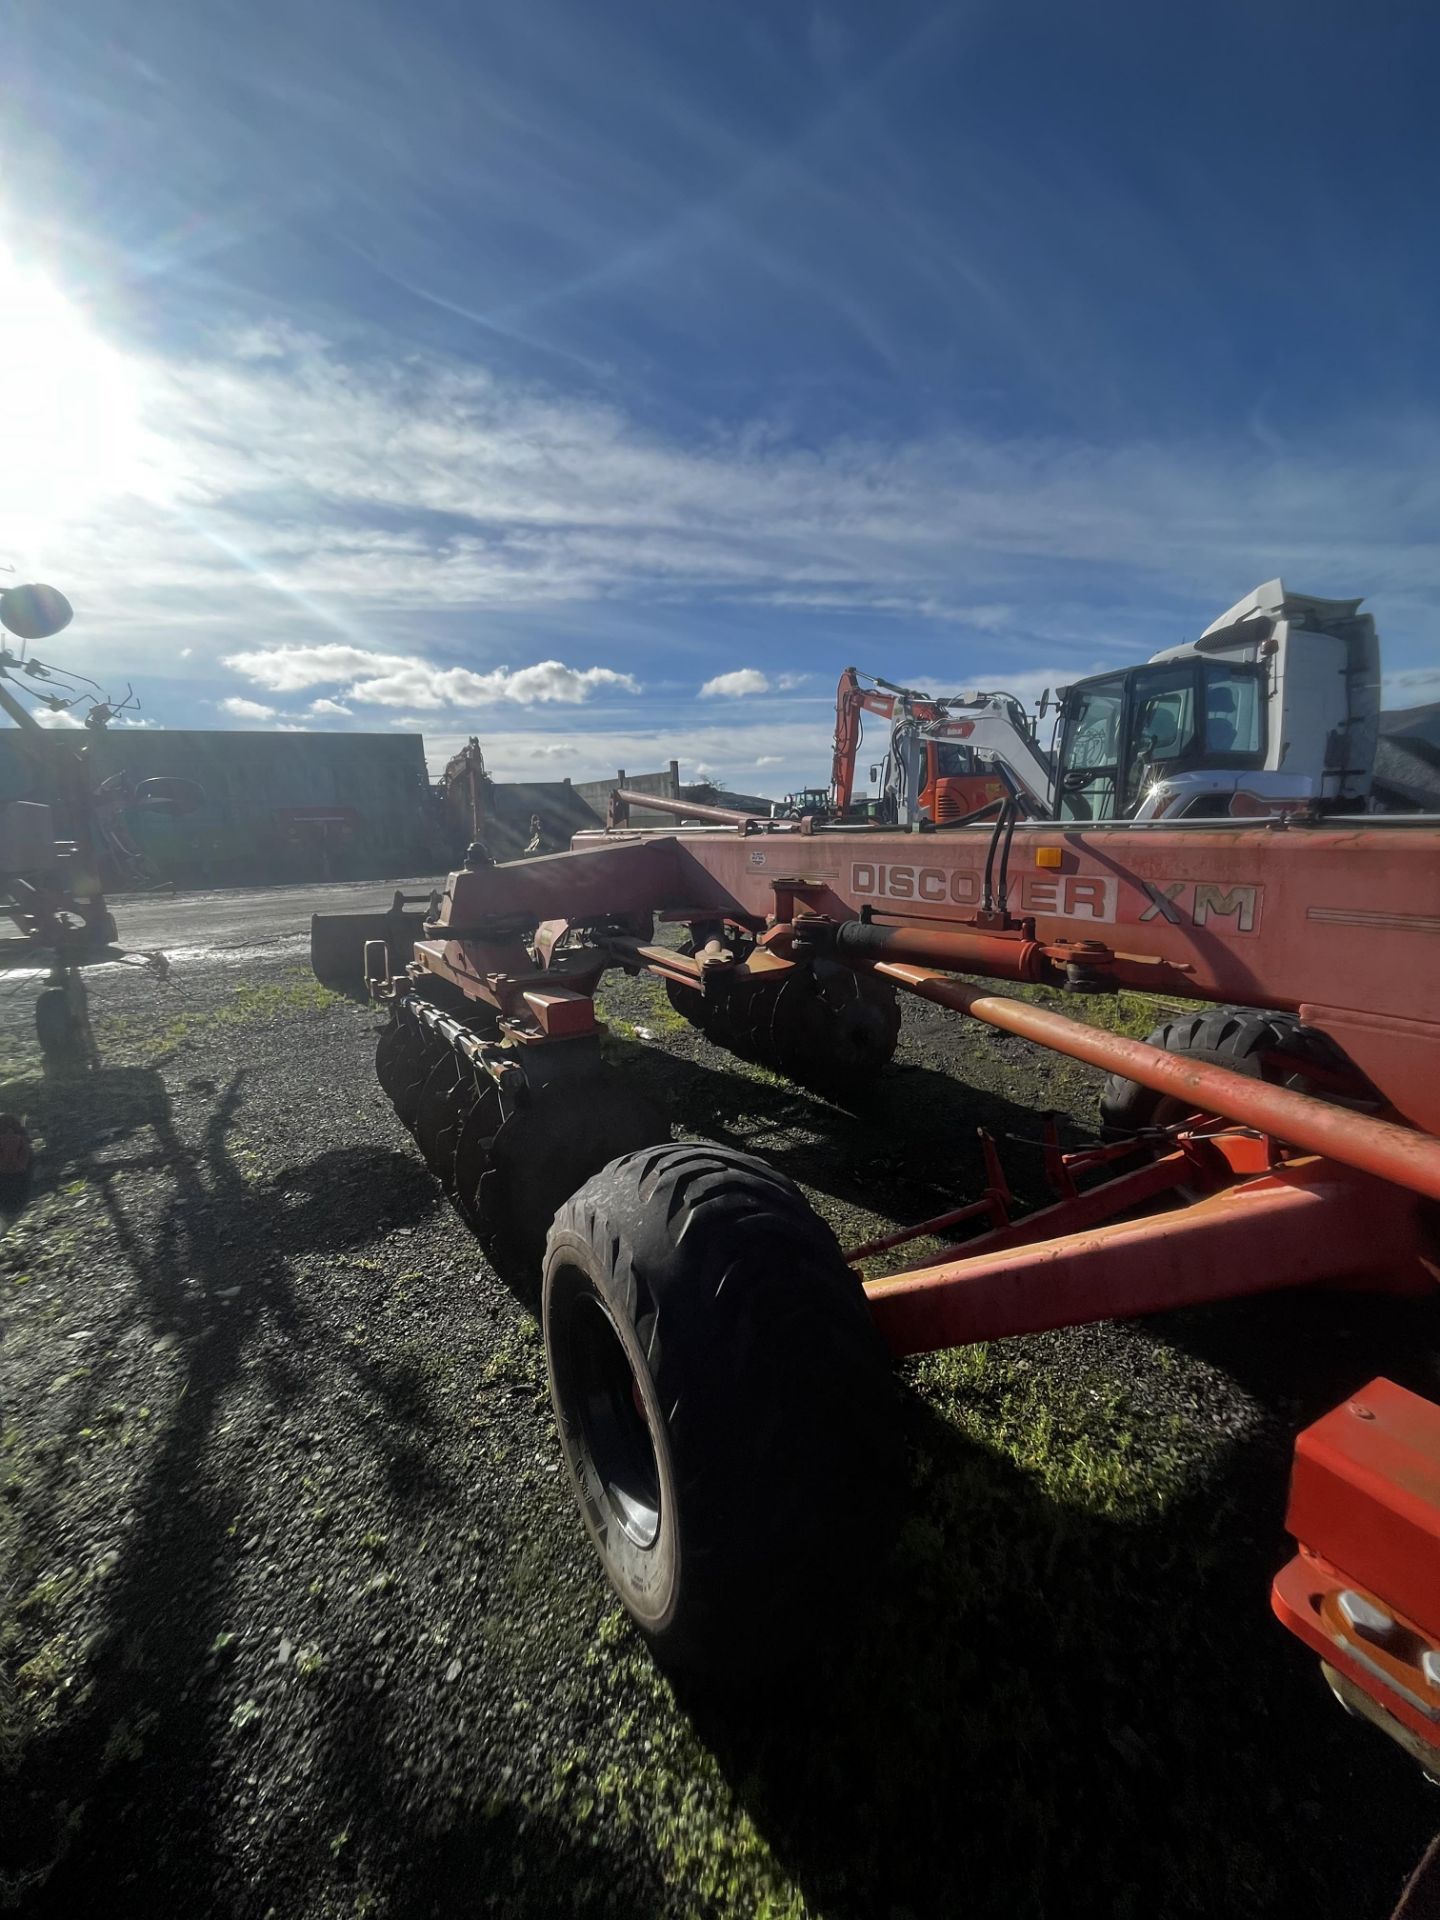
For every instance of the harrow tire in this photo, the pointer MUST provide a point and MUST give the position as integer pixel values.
(726, 1408)
(1243, 1039)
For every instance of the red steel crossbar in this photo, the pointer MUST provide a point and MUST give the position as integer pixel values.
(1358, 1140)
(1307, 1222)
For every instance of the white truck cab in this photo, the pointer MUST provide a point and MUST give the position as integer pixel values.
(1276, 704)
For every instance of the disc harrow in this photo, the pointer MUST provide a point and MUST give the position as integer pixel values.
(718, 1365)
(509, 1140)
(820, 1024)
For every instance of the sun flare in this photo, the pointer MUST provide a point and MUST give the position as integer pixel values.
(70, 431)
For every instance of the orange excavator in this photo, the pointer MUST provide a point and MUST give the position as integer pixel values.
(928, 766)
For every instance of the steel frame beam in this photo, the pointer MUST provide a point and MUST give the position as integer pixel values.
(1304, 1223)
(1359, 1140)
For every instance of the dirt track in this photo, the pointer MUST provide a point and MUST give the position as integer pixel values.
(297, 1617)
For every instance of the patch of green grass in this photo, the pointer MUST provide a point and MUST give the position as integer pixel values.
(1076, 1437)
(1133, 1014)
(46, 1597)
(517, 1360)
(248, 1006)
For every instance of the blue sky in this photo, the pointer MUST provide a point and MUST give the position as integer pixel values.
(524, 370)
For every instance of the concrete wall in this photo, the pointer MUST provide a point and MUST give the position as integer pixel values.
(596, 793)
(278, 806)
(509, 806)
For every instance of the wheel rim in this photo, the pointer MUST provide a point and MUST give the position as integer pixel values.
(609, 1407)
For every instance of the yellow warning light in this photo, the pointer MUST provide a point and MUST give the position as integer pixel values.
(1049, 856)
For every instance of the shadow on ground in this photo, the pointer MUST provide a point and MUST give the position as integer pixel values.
(199, 1281)
(1050, 1711)
(909, 1140)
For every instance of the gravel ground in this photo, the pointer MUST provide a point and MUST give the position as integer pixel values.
(297, 1619)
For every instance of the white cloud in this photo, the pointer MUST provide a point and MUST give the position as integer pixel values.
(555, 504)
(289, 669)
(789, 681)
(405, 680)
(185, 652)
(733, 686)
(328, 706)
(768, 760)
(59, 720)
(247, 709)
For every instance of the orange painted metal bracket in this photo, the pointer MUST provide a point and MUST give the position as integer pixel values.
(561, 1015)
(1364, 1589)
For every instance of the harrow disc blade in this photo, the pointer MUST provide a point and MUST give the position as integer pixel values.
(477, 1128)
(752, 1017)
(445, 1096)
(686, 1001)
(722, 1021)
(395, 1054)
(548, 1149)
(428, 1051)
(832, 1028)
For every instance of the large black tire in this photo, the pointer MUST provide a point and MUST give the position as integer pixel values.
(1270, 1046)
(726, 1408)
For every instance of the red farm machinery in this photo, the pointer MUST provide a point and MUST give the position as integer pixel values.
(719, 1369)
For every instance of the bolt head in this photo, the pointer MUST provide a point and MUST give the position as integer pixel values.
(1365, 1616)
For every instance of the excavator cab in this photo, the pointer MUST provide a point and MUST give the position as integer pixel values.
(955, 783)
(1121, 734)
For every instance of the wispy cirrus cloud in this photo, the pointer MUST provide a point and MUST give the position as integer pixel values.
(497, 496)
(506, 522)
